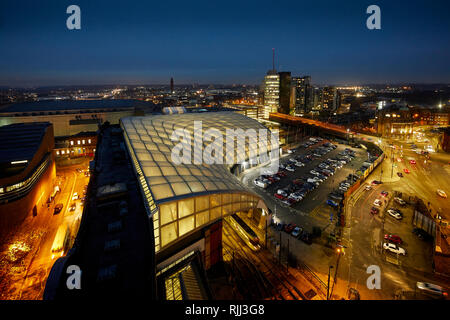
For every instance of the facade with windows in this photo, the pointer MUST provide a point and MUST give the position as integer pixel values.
(183, 198)
(82, 144)
(271, 99)
(300, 95)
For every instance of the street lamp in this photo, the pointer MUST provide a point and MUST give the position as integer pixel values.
(328, 287)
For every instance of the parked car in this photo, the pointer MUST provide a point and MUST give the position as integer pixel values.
(281, 174)
(279, 196)
(406, 170)
(384, 193)
(296, 232)
(377, 203)
(72, 207)
(392, 247)
(400, 174)
(260, 183)
(295, 196)
(282, 192)
(289, 168)
(400, 201)
(75, 196)
(376, 182)
(58, 208)
(395, 213)
(374, 210)
(289, 228)
(393, 238)
(306, 237)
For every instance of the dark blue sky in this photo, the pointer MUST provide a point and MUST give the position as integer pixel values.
(147, 42)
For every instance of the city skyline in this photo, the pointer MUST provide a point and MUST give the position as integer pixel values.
(139, 44)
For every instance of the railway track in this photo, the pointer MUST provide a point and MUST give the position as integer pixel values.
(271, 278)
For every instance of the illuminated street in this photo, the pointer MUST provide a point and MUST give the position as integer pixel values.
(24, 273)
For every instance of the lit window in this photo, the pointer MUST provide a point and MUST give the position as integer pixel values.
(62, 152)
(89, 140)
(79, 142)
(57, 153)
(71, 143)
(84, 141)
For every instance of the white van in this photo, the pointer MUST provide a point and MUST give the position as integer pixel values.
(260, 183)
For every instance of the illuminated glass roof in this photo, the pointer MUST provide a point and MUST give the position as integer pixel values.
(149, 138)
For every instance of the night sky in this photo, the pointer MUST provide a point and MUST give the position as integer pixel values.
(147, 42)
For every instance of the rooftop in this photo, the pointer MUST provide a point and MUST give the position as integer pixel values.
(66, 105)
(114, 246)
(149, 139)
(20, 141)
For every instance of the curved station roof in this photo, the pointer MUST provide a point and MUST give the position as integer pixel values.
(150, 139)
(182, 197)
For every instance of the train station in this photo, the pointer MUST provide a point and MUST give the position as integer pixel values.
(172, 216)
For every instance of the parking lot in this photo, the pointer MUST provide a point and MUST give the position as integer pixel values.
(312, 194)
(312, 214)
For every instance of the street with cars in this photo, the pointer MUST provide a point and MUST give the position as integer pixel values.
(306, 194)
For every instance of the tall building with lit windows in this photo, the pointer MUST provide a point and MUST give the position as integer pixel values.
(329, 98)
(271, 86)
(300, 95)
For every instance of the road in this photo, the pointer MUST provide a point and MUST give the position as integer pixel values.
(365, 233)
(29, 281)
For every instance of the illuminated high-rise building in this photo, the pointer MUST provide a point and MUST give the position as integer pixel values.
(271, 99)
(301, 95)
(329, 98)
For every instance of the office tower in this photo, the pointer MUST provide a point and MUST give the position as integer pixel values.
(329, 98)
(271, 92)
(171, 85)
(317, 99)
(301, 95)
(285, 92)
